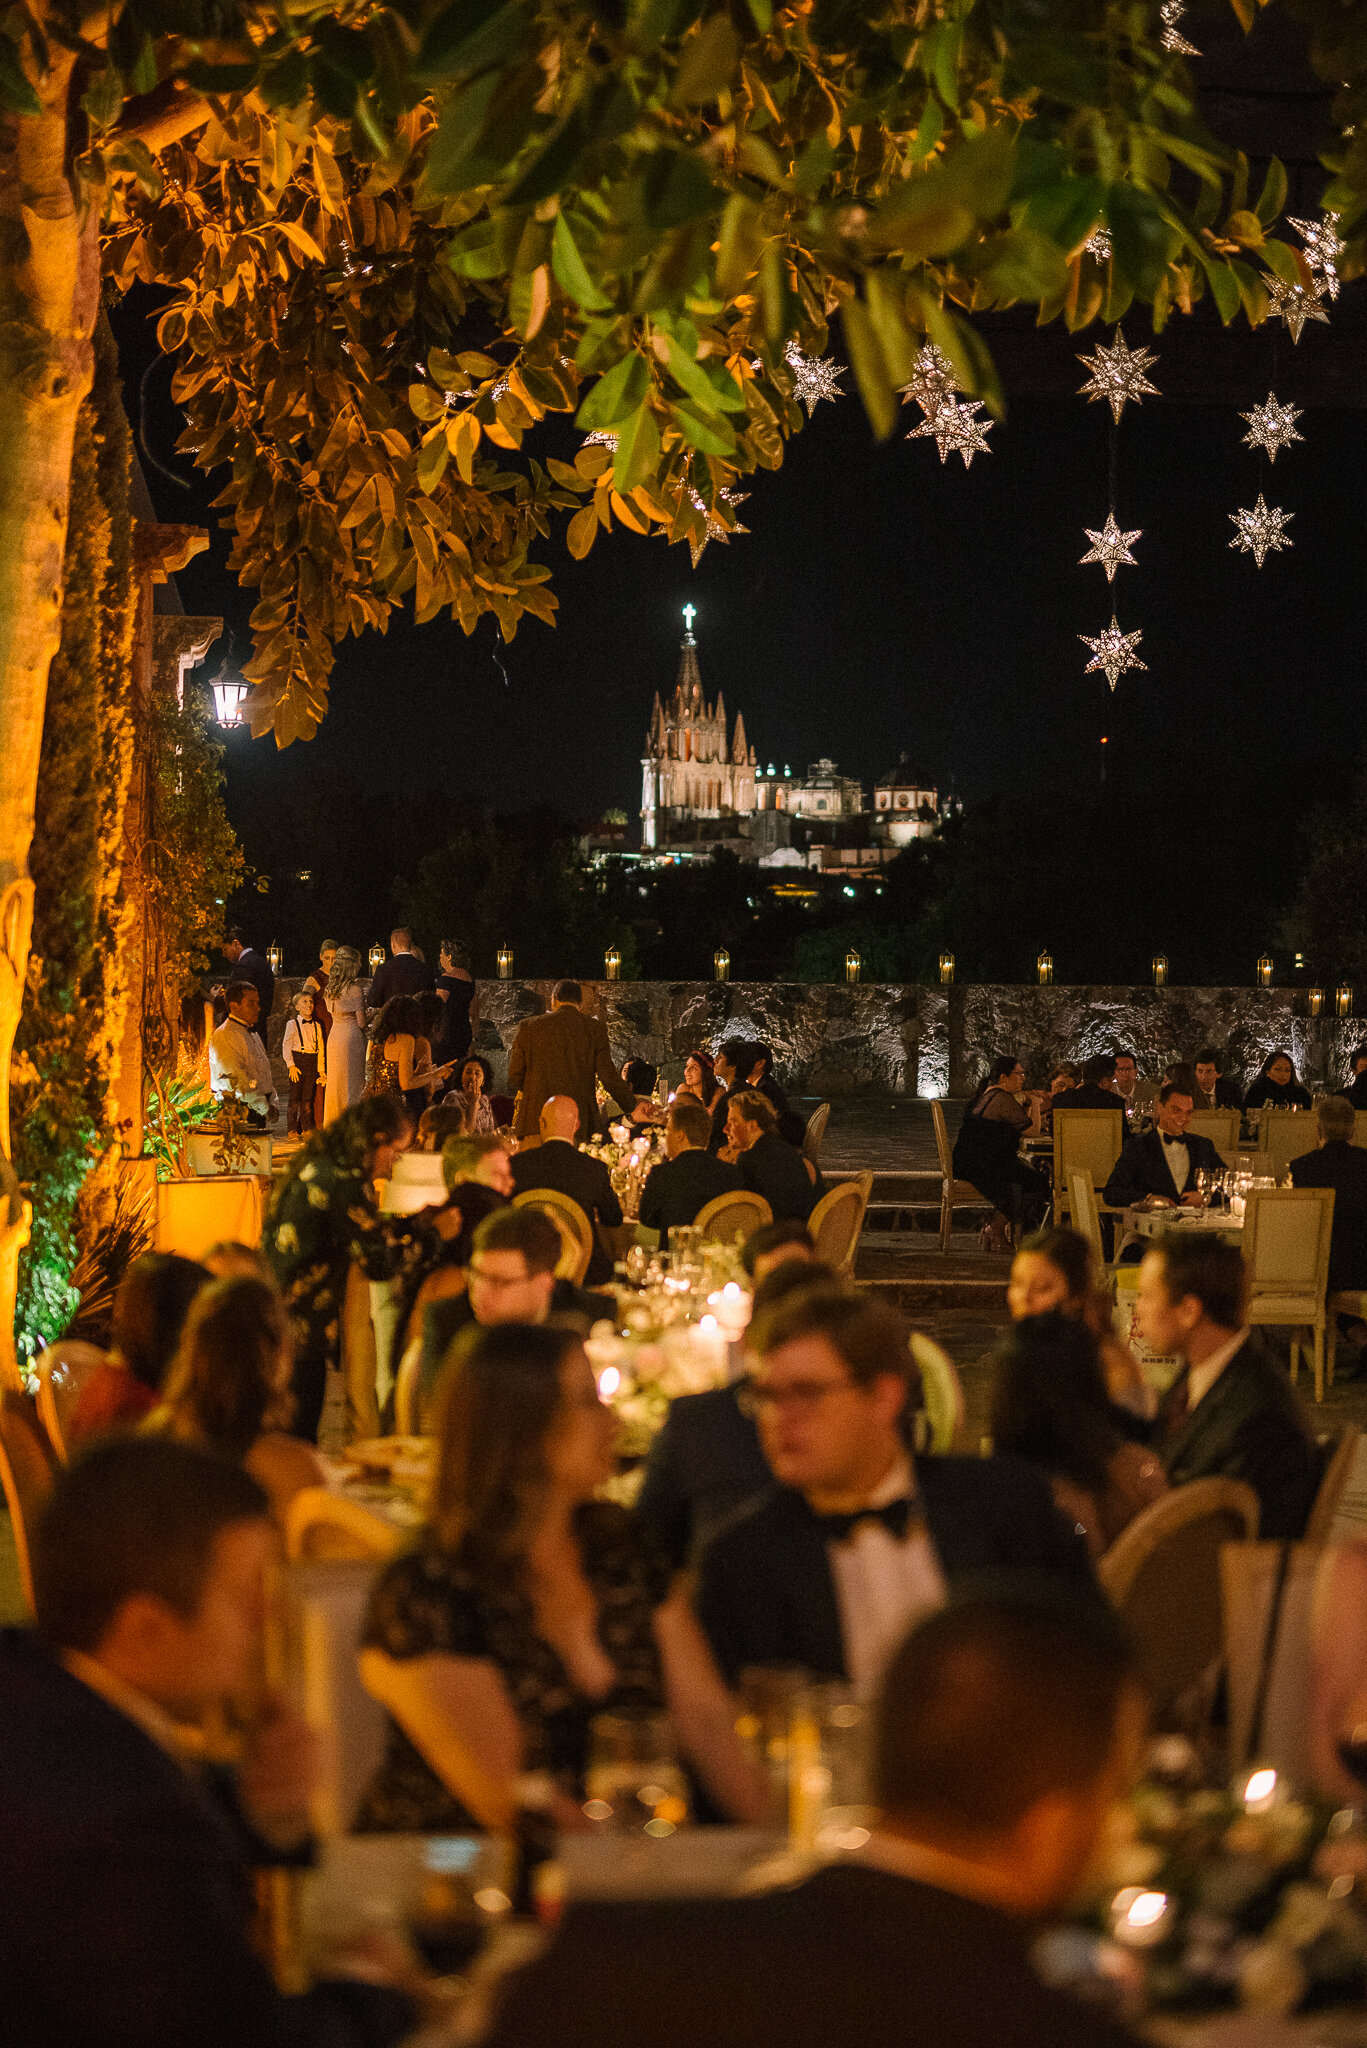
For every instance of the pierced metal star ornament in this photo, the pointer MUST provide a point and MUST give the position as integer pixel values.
(1272, 426)
(1172, 39)
(1098, 244)
(716, 529)
(1110, 547)
(601, 437)
(955, 429)
(1118, 374)
(1322, 248)
(932, 380)
(1113, 652)
(814, 377)
(1295, 305)
(1261, 531)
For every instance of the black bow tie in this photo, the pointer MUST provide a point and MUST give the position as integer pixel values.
(896, 1517)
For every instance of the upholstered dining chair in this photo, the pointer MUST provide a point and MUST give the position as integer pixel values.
(953, 1193)
(1286, 1251)
(1221, 1126)
(942, 1394)
(576, 1229)
(815, 1132)
(727, 1217)
(324, 1525)
(1085, 1140)
(324, 1604)
(838, 1219)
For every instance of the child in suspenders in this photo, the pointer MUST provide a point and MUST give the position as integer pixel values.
(303, 1050)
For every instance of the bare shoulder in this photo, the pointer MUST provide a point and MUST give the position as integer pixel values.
(283, 1465)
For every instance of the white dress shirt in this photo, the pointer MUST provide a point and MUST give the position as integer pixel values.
(1177, 1159)
(238, 1064)
(883, 1586)
(1201, 1378)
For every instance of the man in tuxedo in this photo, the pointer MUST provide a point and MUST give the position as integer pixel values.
(511, 1279)
(1213, 1089)
(402, 974)
(558, 1163)
(1341, 1165)
(1126, 1078)
(563, 1052)
(1231, 1413)
(774, 1245)
(1006, 1730)
(855, 1540)
(249, 965)
(731, 1063)
(1096, 1090)
(125, 1863)
(689, 1177)
(238, 1063)
(784, 1176)
(1160, 1166)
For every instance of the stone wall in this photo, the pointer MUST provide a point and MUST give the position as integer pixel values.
(876, 1039)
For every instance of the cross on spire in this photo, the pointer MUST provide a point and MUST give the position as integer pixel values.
(690, 612)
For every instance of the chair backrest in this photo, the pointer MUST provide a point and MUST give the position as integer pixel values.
(727, 1217)
(1268, 1593)
(1360, 1127)
(816, 1131)
(1086, 1214)
(1086, 1139)
(1286, 1240)
(1162, 1575)
(1337, 1467)
(63, 1370)
(325, 1605)
(407, 1389)
(942, 1394)
(1145, 1095)
(324, 1525)
(838, 1218)
(1287, 1134)
(576, 1230)
(942, 1144)
(1221, 1126)
(27, 1470)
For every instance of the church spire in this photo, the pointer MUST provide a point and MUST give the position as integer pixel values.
(739, 753)
(690, 680)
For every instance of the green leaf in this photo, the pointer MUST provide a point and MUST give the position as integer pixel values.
(616, 394)
(886, 294)
(933, 212)
(571, 273)
(433, 457)
(1283, 261)
(710, 391)
(581, 532)
(707, 65)
(708, 434)
(1272, 198)
(143, 74)
(284, 83)
(637, 454)
(814, 165)
(740, 243)
(469, 35)
(762, 14)
(1021, 265)
(676, 188)
(1224, 287)
(1143, 241)
(870, 368)
(103, 97)
(928, 130)
(775, 297)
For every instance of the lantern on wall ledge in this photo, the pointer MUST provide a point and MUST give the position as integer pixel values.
(1160, 970)
(721, 964)
(376, 959)
(275, 959)
(1343, 999)
(1044, 969)
(946, 968)
(612, 964)
(1264, 970)
(228, 694)
(1316, 1001)
(505, 963)
(853, 965)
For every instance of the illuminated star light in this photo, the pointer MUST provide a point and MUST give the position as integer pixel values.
(1261, 531)
(601, 437)
(932, 380)
(1295, 305)
(1322, 249)
(1113, 652)
(715, 529)
(955, 428)
(1098, 244)
(814, 377)
(1118, 374)
(1272, 426)
(1172, 39)
(1110, 547)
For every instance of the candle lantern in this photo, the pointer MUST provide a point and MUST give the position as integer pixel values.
(853, 964)
(228, 694)
(1316, 1001)
(721, 964)
(612, 964)
(1264, 970)
(376, 959)
(946, 967)
(1160, 970)
(505, 963)
(275, 959)
(1343, 999)
(1044, 969)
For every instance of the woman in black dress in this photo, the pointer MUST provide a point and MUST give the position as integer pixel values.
(460, 1002)
(987, 1153)
(529, 1606)
(1276, 1086)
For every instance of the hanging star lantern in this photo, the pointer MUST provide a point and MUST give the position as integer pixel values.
(1110, 547)
(715, 529)
(1113, 652)
(932, 380)
(1118, 374)
(1272, 426)
(1098, 244)
(814, 377)
(601, 437)
(1261, 531)
(1322, 249)
(1172, 39)
(1294, 304)
(955, 429)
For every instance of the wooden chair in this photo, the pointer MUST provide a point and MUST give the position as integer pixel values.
(816, 1131)
(1340, 1452)
(1221, 1126)
(576, 1229)
(1360, 1127)
(942, 1395)
(1085, 1140)
(63, 1370)
(323, 1605)
(1286, 1251)
(727, 1217)
(324, 1525)
(407, 1385)
(1162, 1576)
(1268, 1594)
(1287, 1134)
(1087, 1216)
(27, 1470)
(952, 1191)
(838, 1219)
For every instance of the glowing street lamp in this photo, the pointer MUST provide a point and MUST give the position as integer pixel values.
(1343, 999)
(229, 692)
(1316, 1001)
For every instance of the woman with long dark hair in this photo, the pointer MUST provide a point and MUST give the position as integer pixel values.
(1055, 1271)
(987, 1153)
(1276, 1086)
(398, 1058)
(459, 993)
(529, 1606)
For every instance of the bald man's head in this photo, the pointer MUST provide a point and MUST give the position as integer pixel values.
(560, 1118)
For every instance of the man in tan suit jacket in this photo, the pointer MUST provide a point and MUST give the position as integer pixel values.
(563, 1052)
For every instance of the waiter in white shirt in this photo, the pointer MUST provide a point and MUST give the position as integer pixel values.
(238, 1062)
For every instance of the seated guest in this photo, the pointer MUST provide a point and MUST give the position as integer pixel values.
(640, 1075)
(792, 1128)
(1214, 1090)
(150, 1308)
(1276, 1086)
(774, 1245)
(481, 1157)
(1054, 1271)
(1096, 1090)
(442, 1121)
(1065, 1076)
(987, 1152)
(228, 1389)
(475, 1076)
(731, 1063)
(1126, 1077)
(1231, 1412)
(238, 1063)
(1181, 1074)
(1341, 1165)
(1357, 1090)
(1051, 1407)
(689, 1177)
(1160, 1166)
(855, 1541)
(768, 1165)
(699, 1080)
(125, 1865)
(558, 1163)
(529, 1606)
(510, 1278)
(1007, 1730)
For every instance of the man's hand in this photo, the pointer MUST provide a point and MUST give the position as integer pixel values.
(294, 1073)
(279, 1773)
(1193, 1200)
(642, 1113)
(448, 1221)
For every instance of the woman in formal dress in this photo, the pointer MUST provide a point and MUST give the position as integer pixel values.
(700, 1080)
(460, 999)
(345, 996)
(529, 1606)
(1276, 1086)
(987, 1152)
(473, 1096)
(1050, 1405)
(1055, 1271)
(398, 1057)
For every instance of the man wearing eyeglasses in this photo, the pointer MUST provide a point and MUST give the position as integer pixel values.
(856, 1540)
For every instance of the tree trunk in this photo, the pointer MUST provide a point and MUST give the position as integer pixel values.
(49, 296)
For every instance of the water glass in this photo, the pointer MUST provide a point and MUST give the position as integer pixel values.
(634, 1783)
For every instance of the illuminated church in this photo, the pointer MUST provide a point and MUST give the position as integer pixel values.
(691, 768)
